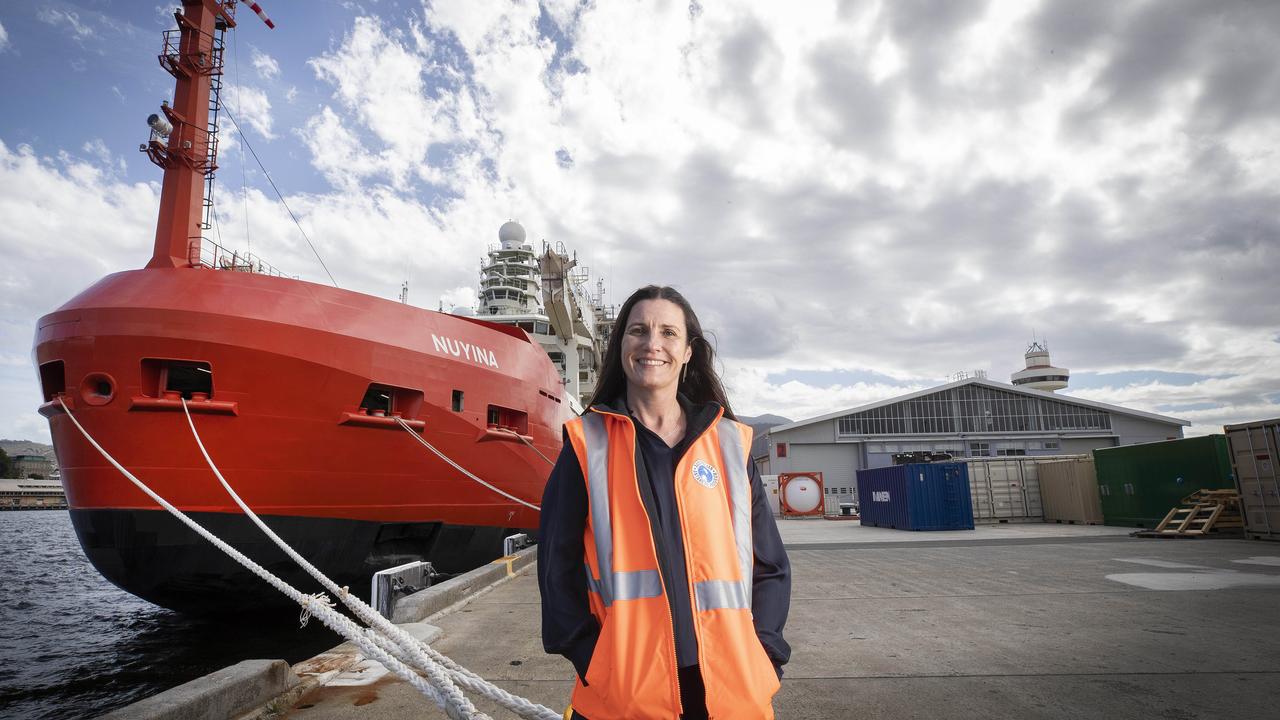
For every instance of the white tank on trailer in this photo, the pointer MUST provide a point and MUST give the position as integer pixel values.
(802, 493)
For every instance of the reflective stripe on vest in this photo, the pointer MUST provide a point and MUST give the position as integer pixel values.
(734, 457)
(708, 594)
(610, 585)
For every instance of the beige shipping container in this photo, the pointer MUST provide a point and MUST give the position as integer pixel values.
(1254, 456)
(1007, 489)
(1069, 492)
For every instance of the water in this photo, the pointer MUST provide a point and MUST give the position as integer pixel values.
(76, 646)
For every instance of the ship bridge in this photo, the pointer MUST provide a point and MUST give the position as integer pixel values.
(543, 295)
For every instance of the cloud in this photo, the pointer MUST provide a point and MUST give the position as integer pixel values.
(867, 189)
(98, 150)
(4, 38)
(400, 128)
(66, 19)
(252, 109)
(266, 65)
(464, 298)
(884, 192)
(50, 204)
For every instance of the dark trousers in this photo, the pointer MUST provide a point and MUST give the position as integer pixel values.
(693, 696)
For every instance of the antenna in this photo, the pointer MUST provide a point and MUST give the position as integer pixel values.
(404, 292)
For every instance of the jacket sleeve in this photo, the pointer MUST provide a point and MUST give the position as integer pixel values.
(771, 577)
(568, 627)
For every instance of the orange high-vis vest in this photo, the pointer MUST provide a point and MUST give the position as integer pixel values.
(632, 674)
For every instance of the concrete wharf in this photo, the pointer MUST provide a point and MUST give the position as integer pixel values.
(1006, 621)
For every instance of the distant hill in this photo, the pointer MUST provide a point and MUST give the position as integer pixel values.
(761, 424)
(28, 447)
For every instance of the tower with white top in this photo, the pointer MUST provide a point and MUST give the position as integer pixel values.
(1039, 373)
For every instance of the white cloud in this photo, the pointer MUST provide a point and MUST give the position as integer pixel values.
(831, 190)
(4, 38)
(62, 213)
(464, 298)
(252, 109)
(266, 65)
(378, 82)
(865, 187)
(98, 150)
(65, 18)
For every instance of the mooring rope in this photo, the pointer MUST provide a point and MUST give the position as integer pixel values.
(454, 704)
(532, 447)
(461, 469)
(395, 649)
(418, 654)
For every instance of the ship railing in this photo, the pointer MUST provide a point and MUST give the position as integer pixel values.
(215, 256)
(192, 143)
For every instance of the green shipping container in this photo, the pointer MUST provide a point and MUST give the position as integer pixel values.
(1139, 484)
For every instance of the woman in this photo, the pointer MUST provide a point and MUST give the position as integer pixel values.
(663, 578)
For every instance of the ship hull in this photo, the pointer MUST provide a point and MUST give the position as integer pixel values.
(155, 556)
(290, 364)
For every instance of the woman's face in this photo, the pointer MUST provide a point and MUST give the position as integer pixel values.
(655, 345)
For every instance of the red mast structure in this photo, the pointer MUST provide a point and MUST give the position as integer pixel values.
(185, 142)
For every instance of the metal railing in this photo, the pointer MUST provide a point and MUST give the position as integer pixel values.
(212, 255)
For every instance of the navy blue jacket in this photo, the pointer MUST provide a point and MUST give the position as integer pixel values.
(569, 628)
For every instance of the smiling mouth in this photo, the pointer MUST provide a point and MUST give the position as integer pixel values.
(651, 363)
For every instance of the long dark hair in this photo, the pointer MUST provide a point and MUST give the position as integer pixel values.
(701, 383)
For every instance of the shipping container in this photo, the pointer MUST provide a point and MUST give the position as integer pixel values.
(1007, 489)
(1069, 490)
(932, 496)
(1139, 484)
(1255, 450)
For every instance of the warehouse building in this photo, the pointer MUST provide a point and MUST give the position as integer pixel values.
(971, 417)
(30, 466)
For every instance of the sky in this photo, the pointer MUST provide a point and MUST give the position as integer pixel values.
(860, 199)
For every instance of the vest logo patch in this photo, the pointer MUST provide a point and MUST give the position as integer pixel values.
(706, 475)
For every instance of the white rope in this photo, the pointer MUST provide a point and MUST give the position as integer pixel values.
(362, 637)
(305, 616)
(531, 445)
(401, 643)
(461, 469)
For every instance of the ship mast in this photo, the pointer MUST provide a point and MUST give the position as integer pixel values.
(185, 141)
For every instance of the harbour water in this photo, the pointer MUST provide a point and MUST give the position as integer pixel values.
(76, 646)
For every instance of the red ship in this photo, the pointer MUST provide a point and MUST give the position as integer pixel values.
(296, 389)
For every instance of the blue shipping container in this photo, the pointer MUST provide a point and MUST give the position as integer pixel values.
(919, 496)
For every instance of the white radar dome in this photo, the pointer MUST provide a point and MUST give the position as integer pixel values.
(511, 233)
(802, 494)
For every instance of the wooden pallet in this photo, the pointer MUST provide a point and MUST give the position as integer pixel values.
(1202, 512)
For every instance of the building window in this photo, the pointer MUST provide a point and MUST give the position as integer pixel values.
(1050, 444)
(979, 449)
(782, 450)
(972, 408)
(457, 401)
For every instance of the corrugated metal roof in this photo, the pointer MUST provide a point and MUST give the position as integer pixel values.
(1070, 400)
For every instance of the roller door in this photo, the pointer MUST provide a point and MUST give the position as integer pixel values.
(838, 464)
